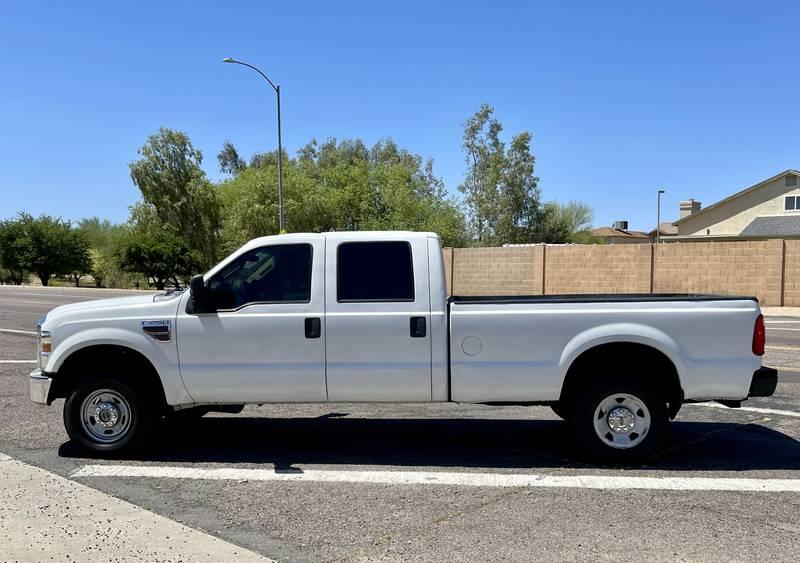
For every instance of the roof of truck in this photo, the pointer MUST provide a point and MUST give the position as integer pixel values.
(358, 235)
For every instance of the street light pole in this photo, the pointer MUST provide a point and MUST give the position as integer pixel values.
(281, 219)
(658, 217)
(277, 88)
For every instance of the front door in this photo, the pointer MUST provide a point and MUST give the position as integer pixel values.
(266, 342)
(377, 319)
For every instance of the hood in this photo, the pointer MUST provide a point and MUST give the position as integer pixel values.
(135, 306)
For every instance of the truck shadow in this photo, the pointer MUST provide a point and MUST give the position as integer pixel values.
(335, 439)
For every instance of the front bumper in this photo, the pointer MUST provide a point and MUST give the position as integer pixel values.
(764, 382)
(40, 384)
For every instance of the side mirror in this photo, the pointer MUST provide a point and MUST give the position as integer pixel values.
(200, 301)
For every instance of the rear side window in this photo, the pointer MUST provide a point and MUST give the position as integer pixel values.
(374, 271)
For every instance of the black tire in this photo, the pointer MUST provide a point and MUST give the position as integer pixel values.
(134, 416)
(560, 410)
(639, 404)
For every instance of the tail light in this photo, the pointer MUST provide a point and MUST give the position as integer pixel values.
(759, 336)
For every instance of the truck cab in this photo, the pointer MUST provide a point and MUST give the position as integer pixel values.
(280, 326)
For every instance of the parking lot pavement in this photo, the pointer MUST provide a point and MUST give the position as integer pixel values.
(329, 506)
(44, 517)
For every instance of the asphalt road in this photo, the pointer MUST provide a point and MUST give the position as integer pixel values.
(324, 520)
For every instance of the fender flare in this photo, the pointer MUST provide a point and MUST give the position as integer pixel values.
(622, 333)
(168, 373)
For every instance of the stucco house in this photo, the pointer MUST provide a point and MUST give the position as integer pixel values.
(768, 209)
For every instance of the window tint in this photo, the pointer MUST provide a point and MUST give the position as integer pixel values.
(374, 271)
(789, 204)
(270, 274)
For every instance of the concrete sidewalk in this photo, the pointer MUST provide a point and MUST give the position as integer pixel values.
(46, 517)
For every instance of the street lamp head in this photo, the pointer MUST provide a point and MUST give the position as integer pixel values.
(662, 191)
(228, 60)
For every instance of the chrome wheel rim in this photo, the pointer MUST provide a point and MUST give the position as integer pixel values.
(106, 416)
(622, 421)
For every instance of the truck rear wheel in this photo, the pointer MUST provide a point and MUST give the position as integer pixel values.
(620, 423)
(106, 415)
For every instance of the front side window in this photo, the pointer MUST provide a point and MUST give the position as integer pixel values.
(374, 271)
(790, 203)
(270, 274)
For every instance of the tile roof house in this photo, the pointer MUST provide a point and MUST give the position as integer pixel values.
(665, 229)
(619, 234)
(768, 209)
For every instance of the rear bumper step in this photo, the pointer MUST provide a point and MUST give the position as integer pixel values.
(764, 382)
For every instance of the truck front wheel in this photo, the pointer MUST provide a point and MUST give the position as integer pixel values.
(620, 423)
(106, 415)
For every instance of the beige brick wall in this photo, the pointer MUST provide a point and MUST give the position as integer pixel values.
(791, 284)
(769, 269)
(732, 268)
(447, 254)
(587, 268)
(496, 271)
(775, 256)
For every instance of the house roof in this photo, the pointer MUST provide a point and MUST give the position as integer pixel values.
(738, 194)
(612, 232)
(668, 229)
(773, 226)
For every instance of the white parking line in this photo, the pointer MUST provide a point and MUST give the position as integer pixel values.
(782, 328)
(15, 331)
(445, 478)
(746, 409)
(776, 322)
(17, 361)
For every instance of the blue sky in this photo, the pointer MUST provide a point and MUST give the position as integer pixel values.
(622, 98)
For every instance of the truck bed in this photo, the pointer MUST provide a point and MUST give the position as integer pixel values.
(596, 297)
(519, 348)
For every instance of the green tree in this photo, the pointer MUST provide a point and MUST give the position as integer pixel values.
(13, 244)
(229, 160)
(565, 223)
(49, 246)
(173, 185)
(500, 188)
(80, 258)
(104, 239)
(340, 185)
(160, 256)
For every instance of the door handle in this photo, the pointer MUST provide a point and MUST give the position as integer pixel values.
(313, 327)
(417, 327)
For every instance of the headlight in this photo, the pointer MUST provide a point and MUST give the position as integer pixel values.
(45, 346)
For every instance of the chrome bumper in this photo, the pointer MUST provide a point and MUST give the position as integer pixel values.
(39, 384)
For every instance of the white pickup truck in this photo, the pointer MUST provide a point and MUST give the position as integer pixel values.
(365, 317)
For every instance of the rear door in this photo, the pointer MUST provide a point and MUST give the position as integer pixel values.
(378, 343)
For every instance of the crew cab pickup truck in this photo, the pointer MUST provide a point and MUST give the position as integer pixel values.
(365, 317)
